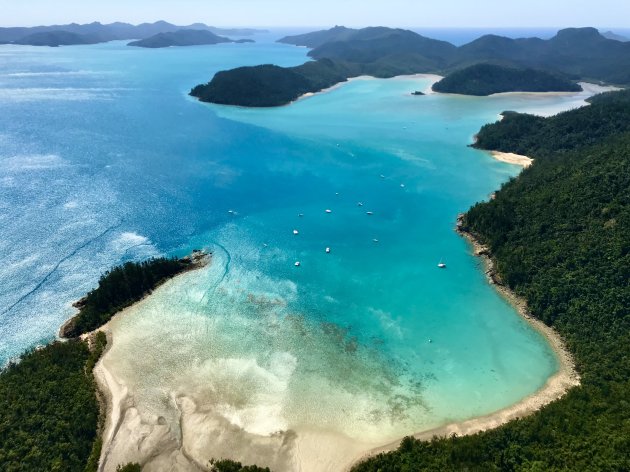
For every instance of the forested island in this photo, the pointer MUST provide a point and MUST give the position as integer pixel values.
(488, 79)
(92, 33)
(269, 85)
(185, 37)
(58, 38)
(342, 53)
(558, 237)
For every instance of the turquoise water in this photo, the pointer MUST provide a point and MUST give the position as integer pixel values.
(104, 158)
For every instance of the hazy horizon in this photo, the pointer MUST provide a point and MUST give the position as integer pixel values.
(483, 14)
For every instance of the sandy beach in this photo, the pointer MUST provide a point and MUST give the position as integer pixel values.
(199, 431)
(434, 78)
(511, 158)
(555, 388)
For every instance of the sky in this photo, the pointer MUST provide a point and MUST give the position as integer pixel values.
(403, 13)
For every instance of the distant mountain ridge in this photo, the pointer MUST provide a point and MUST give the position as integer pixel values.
(98, 32)
(548, 65)
(615, 36)
(579, 52)
(184, 37)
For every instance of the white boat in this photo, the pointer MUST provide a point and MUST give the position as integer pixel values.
(300, 215)
(369, 213)
(375, 240)
(297, 264)
(295, 231)
(327, 250)
(402, 185)
(360, 204)
(441, 265)
(328, 211)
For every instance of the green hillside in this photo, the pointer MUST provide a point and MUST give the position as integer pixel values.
(341, 53)
(487, 79)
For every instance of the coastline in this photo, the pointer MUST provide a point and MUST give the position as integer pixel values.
(512, 158)
(196, 260)
(555, 387)
(110, 393)
(123, 424)
(427, 91)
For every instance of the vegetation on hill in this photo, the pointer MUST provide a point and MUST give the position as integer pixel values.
(559, 237)
(58, 38)
(318, 38)
(49, 410)
(487, 79)
(577, 53)
(119, 288)
(184, 37)
(131, 467)
(607, 115)
(97, 32)
(269, 85)
(227, 465)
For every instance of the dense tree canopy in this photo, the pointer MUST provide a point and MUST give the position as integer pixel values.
(269, 85)
(486, 79)
(48, 409)
(608, 115)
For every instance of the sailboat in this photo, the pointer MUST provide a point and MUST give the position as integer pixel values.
(441, 265)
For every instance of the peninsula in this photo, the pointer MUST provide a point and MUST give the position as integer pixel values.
(48, 398)
(498, 64)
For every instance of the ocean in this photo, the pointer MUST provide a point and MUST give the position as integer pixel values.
(104, 158)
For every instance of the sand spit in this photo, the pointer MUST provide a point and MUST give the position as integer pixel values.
(202, 432)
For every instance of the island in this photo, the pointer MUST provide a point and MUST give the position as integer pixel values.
(269, 85)
(488, 79)
(491, 62)
(184, 37)
(556, 236)
(58, 38)
(92, 33)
